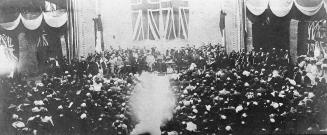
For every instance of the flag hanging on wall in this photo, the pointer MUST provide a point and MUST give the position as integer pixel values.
(158, 20)
(98, 28)
(222, 21)
(42, 41)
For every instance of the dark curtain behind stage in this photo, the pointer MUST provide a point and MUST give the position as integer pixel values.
(270, 31)
(53, 49)
(26, 49)
(271, 34)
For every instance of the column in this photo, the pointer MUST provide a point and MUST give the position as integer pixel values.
(80, 28)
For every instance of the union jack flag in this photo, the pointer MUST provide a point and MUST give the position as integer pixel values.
(160, 19)
(42, 41)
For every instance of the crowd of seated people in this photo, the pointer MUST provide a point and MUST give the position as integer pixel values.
(267, 96)
(258, 92)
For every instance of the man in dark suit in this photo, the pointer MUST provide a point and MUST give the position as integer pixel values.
(81, 67)
(96, 66)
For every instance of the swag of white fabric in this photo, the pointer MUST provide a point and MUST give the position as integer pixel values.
(54, 19)
(281, 8)
(257, 7)
(32, 24)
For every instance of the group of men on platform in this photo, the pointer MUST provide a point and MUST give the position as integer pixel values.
(120, 61)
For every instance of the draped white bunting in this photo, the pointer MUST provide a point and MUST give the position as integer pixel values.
(54, 19)
(281, 8)
(11, 25)
(257, 7)
(32, 24)
(309, 10)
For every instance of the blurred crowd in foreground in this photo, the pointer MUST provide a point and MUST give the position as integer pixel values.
(257, 92)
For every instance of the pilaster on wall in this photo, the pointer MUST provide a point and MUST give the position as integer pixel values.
(235, 24)
(293, 39)
(85, 11)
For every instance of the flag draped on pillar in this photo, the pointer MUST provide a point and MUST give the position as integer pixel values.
(98, 29)
(63, 44)
(222, 26)
(293, 39)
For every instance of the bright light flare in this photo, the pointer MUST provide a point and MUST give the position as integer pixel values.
(7, 65)
(152, 103)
